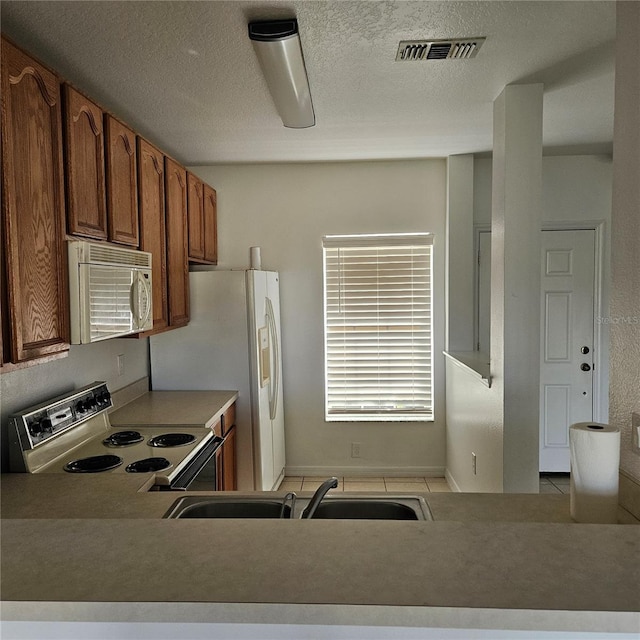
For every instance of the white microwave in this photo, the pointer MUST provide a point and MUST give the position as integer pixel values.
(109, 290)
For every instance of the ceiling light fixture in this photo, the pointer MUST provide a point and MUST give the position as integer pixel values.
(277, 45)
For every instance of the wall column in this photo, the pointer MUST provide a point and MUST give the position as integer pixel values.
(624, 394)
(515, 278)
(459, 260)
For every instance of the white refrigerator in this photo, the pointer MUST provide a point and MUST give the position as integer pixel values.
(232, 342)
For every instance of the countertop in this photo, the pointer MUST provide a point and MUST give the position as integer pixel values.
(174, 408)
(96, 548)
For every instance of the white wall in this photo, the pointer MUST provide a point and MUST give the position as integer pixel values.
(460, 257)
(286, 209)
(85, 364)
(474, 425)
(574, 188)
(625, 256)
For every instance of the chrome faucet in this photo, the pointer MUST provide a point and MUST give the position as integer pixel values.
(320, 493)
(290, 496)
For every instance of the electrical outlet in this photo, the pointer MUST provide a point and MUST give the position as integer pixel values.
(120, 361)
(635, 432)
(474, 463)
(355, 449)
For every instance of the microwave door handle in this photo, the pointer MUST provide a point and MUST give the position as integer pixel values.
(143, 312)
(133, 301)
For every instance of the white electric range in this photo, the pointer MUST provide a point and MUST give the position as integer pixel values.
(72, 434)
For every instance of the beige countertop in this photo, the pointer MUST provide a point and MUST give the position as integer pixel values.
(96, 548)
(103, 540)
(174, 408)
(441, 564)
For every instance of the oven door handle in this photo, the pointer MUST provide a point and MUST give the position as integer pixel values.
(186, 476)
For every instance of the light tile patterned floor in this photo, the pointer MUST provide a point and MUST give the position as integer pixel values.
(549, 483)
(554, 483)
(389, 485)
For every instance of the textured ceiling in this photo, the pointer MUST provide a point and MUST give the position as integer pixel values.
(184, 74)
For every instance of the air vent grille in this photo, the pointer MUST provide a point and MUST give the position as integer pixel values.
(459, 49)
(108, 254)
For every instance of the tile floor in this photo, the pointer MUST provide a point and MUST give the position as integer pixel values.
(390, 485)
(554, 483)
(549, 483)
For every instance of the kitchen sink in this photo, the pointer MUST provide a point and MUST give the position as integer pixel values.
(342, 507)
(359, 509)
(223, 507)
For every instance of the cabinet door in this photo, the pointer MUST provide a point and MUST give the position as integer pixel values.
(210, 225)
(33, 207)
(152, 224)
(229, 476)
(122, 182)
(220, 469)
(177, 261)
(4, 327)
(196, 218)
(228, 419)
(84, 165)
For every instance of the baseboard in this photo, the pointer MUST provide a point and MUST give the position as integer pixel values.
(451, 480)
(363, 472)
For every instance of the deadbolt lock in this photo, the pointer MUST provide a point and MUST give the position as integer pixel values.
(584, 350)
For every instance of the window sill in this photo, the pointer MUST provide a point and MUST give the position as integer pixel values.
(377, 419)
(475, 362)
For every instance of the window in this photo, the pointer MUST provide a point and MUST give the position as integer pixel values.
(377, 319)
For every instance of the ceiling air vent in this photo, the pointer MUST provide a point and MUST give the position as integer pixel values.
(409, 50)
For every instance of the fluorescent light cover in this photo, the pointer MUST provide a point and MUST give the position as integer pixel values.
(277, 46)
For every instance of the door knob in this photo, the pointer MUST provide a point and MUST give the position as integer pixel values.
(585, 367)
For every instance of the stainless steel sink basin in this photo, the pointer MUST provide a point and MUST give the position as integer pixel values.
(356, 509)
(220, 507)
(335, 507)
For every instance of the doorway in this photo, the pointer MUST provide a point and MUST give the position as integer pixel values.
(570, 337)
(567, 340)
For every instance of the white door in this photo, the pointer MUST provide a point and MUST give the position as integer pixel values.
(566, 341)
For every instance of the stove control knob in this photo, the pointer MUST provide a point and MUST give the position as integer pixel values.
(35, 428)
(91, 403)
(46, 426)
(104, 397)
(81, 407)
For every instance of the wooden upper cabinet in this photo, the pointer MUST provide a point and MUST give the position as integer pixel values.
(177, 259)
(203, 220)
(210, 225)
(121, 182)
(84, 146)
(196, 217)
(33, 208)
(152, 225)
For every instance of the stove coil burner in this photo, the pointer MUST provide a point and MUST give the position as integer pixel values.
(123, 438)
(147, 465)
(171, 440)
(93, 464)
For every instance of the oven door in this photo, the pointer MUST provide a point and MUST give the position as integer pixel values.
(201, 473)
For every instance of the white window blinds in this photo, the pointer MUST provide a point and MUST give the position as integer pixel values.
(378, 335)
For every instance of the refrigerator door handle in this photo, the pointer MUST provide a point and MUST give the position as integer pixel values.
(275, 359)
